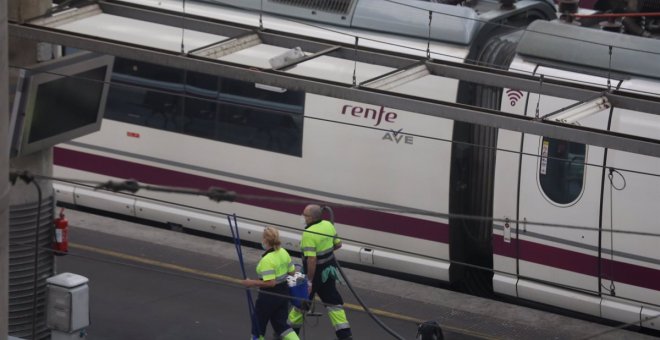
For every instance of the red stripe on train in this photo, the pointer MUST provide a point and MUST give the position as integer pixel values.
(578, 262)
(391, 223)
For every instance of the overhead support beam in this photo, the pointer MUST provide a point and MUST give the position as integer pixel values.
(453, 111)
(229, 46)
(631, 101)
(396, 78)
(505, 79)
(343, 51)
(309, 46)
(464, 72)
(67, 17)
(306, 58)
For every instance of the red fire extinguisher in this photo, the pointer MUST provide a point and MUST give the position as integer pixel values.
(61, 243)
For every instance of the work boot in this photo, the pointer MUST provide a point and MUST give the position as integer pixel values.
(344, 334)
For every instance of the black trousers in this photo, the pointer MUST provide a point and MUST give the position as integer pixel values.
(272, 308)
(327, 291)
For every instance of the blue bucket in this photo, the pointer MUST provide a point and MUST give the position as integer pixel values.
(298, 292)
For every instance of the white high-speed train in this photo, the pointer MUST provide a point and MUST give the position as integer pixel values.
(186, 129)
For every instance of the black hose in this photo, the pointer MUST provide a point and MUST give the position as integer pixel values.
(357, 297)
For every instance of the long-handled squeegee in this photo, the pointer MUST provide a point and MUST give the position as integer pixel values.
(233, 227)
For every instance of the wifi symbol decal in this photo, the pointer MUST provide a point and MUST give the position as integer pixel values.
(514, 96)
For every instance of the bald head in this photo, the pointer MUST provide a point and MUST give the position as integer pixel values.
(312, 213)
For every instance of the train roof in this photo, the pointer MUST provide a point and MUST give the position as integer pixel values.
(556, 41)
(449, 23)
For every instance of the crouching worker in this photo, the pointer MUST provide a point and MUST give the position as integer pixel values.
(273, 268)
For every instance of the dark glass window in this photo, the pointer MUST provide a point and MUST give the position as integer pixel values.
(261, 95)
(561, 170)
(201, 110)
(261, 117)
(261, 128)
(145, 94)
(206, 106)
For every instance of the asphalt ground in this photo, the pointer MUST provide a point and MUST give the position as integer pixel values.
(150, 283)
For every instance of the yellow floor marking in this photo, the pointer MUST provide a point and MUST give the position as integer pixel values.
(235, 280)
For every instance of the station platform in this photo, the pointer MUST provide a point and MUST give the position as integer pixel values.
(151, 283)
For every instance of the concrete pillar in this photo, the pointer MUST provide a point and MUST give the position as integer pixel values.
(23, 52)
(4, 173)
(23, 199)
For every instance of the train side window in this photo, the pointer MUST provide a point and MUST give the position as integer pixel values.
(261, 117)
(201, 108)
(561, 170)
(145, 94)
(261, 128)
(263, 95)
(206, 106)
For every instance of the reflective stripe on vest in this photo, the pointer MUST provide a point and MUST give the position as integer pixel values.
(320, 239)
(275, 265)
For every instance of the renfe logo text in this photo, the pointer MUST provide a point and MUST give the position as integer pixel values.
(368, 113)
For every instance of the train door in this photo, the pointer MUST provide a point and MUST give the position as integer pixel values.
(560, 187)
(630, 270)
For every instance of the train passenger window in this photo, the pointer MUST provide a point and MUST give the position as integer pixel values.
(145, 94)
(260, 95)
(207, 106)
(561, 170)
(201, 105)
(261, 128)
(261, 117)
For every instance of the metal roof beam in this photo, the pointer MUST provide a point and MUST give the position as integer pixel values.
(505, 79)
(633, 102)
(307, 57)
(228, 46)
(374, 57)
(343, 51)
(453, 111)
(550, 87)
(288, 42)
(465, 72)
(66, 17)
(397, 77)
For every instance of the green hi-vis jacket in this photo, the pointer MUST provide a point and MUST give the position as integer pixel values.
(319, 240)
(275, 265)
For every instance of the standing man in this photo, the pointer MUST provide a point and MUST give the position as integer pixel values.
(319, 241)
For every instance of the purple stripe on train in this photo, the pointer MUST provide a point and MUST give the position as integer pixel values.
(578, 262)
(391, 223)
